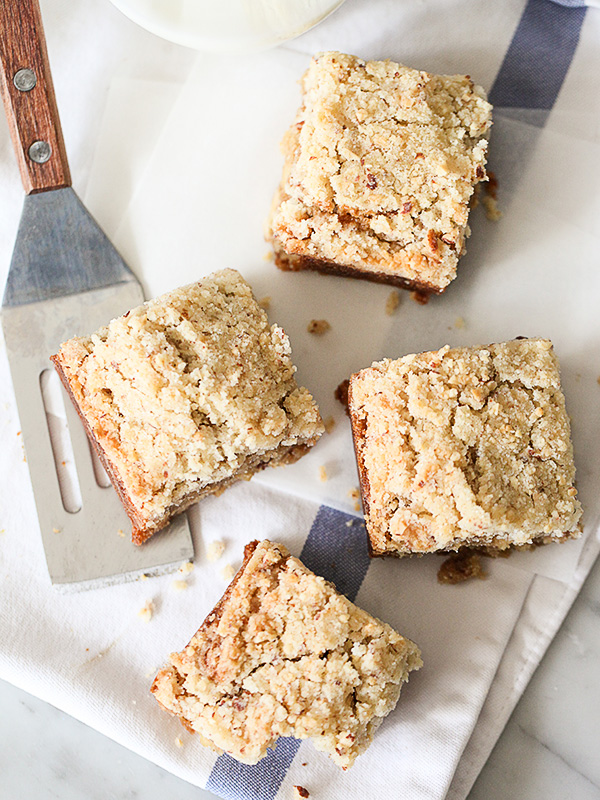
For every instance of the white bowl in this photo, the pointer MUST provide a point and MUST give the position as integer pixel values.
(227, 26)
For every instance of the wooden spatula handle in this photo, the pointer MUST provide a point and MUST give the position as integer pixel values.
(31, 109)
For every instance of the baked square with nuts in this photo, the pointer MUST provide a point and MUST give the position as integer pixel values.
(465, 447)
(284, 654)
(187, 394)
(380, 166)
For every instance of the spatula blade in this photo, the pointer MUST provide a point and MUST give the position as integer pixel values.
(66, 279)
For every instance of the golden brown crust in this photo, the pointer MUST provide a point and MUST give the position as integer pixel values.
(469, 446)
(282, 654)
(211, 620)
(185, 395)
(358, 438)
(380, 167)
(139, 534)
(296, 263)
(140, 531)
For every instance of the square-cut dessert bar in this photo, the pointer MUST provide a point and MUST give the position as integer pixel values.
(464, 447)
(186, 394)
(283, 654)
(380, 167)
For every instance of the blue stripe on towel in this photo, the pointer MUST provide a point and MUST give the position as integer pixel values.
(571, 3)
(539, 56)
(338, 552)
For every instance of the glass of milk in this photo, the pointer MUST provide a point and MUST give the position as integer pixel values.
(227, 26)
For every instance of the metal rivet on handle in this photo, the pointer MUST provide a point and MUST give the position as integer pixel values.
(25, 79)
(40, 152)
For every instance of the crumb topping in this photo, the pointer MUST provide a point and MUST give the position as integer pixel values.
(284, 654)
(392, 302)
(146, 612)
(188, 390)
(227, 572)
(461, 567)
(470, 445)
(215, 550)
(381, 163)
(318, 326)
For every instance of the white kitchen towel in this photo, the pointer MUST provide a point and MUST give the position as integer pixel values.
(91, 654)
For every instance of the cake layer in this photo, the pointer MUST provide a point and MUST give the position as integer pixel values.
(467, 446)
(381, 164)
(186, 394)
(283, 654)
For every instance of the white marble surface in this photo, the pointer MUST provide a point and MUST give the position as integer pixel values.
(548, 750)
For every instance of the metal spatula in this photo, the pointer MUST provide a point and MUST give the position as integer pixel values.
(65, 279)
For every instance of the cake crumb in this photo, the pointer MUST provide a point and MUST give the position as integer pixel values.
(323, 473)
(178, 742)
(392, 302)
(143, 577)
(255, 625)
(215, 550)
(330, 422)
(180, 585)
(459, 323)
(186, 568)
(355, 495)
(490, 204)
(491, 185)
(216, 328)
(460, 567)
(55, 530)
(434, 403)
(227, 572)
(268, 256)
(318, 326)
(301, 791)
(146, 612)
(121, 533)
(420, 297)
(341, 393)
(265, 303)
(402, 216)
(349, 523)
